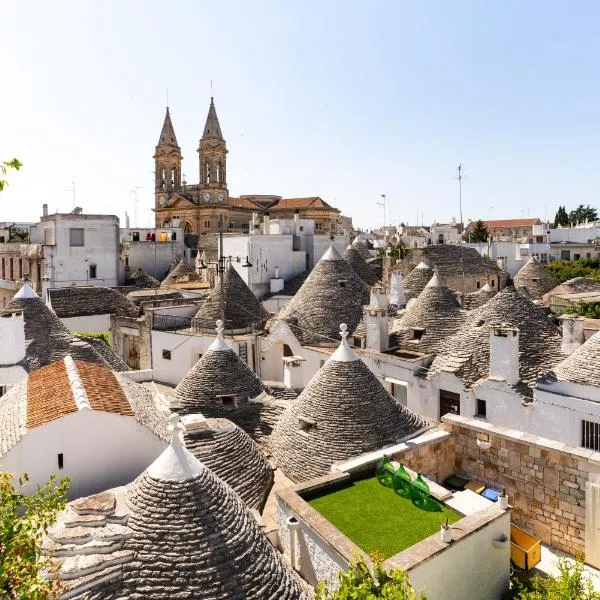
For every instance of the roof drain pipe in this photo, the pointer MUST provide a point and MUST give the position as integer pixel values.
(293, 526)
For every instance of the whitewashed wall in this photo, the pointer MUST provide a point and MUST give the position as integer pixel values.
(153, 257)
(97, 323)
(101, 450)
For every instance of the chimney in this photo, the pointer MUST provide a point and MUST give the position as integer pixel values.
(572, 333)
(267, 221)
(376, 319)
(296, 222)
(12, 334)
(253, 223)
(504, 353)
(44, 210)
(397, 290)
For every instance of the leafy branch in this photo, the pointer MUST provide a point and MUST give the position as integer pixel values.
(15, 164)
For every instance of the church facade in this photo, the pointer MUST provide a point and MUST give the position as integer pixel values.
(199, 208)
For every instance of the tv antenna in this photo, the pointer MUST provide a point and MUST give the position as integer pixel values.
(72, 190)
(383, 204)
(135, 203)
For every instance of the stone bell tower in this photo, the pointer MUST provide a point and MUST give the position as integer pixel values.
(167, 163)
(213, 160)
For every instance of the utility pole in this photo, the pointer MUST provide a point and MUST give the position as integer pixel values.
(460, 178)
(135, 203)
(383, 204)
(72, 190)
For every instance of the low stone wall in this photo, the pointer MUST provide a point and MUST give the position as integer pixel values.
(544, 480)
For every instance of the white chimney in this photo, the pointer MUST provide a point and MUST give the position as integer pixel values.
(292, 372)
(397, 296)
(376, 319)
(504, 353)
(266, 223)
(572, 333)
(44, 210)
(253, 224)
(12, 334)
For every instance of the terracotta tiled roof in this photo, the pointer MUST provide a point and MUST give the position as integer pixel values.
(244, 203)
(103, 390)
(507, 223)
(313, 202)
(49, 395)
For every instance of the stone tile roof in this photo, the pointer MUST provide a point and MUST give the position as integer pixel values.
(436, 310)
(332, 292)
(414, 283)
(234, 457)
(153, 294)
(242, 310)
(142, 279)
(533, 280)
(109, 356)
(480, 297)
(46, 338)
(182, 271)
(467, 353)
(66, 386)
(90, 300)
(582, 367)
(446, 259)
(361, 247)
(353, 257)
(573, 286)
(177, 531)
(344, 411)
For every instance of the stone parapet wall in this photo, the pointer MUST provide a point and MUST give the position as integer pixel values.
(545, 480)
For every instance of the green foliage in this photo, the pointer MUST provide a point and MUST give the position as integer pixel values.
(562, 270)
(478, 233)
(358, 583)
(590, 310)
(570, 584)
(4, 166)
(18, 235)
(24, 520)
(399, 251)
(582, 214)
(96, 335)
(561, 219)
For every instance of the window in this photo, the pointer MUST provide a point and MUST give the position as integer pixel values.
(199, 356)
(136, 236)
(287, 351)
(342, 283)
(93, 270)
(544, 258)
(539, 239)
(305, 424)
(481, 408)
(3, 269)
(588, 255)
(449, 403)
(565, 255)
(20, 267)
(127, 261)
(418, 333)
(166, 354)
(12, 269)
(478, 285)
(492, 283)
(576, 256)
(61, 461)
(228, 402)
(206, 224)
(75, 237)
(590, 435)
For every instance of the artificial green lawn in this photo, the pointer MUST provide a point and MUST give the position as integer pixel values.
(374, 517)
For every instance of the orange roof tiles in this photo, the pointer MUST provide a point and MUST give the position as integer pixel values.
(300, 202)
(508, 222)
(49, 395)
(244, 203)
(102, 388)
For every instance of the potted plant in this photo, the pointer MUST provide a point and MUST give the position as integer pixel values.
(503, 499)
(446, 532)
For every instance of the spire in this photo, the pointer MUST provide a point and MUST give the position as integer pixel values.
(344, 353)
(219, 344)
(167, 135)
(212, 129)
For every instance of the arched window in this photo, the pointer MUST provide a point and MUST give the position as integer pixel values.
(287, 351)
(163, 177)
(219, 172)
(206, 172)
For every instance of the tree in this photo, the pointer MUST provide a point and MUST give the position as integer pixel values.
(478, 233)
(570, 584)
(561, 219)
(582, 214)
(24, 520)
(359, 583)
(4, 166)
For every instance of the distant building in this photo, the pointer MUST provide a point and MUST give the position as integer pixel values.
(509, 229)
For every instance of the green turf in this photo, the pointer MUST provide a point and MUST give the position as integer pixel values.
(374, 517)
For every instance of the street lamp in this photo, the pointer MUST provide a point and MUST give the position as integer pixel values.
(383, 204)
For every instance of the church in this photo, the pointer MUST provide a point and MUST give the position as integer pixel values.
(199, 208)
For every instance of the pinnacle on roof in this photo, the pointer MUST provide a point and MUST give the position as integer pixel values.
(353, 257)
(534, 280)
(344, 411)
(212, 129)
(361, 248)
(478, 298)
(467, 353)
(232, 297)
(332, 292)
(177, 530)
(583, 366)
(423, 265)
(167, 134)
(26, 292)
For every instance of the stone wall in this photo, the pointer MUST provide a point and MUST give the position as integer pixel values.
(545, 480)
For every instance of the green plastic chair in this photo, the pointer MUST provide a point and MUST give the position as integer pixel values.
(402, 482)
(385, 472)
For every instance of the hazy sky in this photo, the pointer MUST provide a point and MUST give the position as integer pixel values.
(345, 100)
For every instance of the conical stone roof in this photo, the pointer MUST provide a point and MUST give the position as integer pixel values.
(361, 247)
(143, 280)
(467, 353)
(416, 280)
(219, 373)
(480, 297)
(212, 129)
(234, 457)
(178, 531)
(582, 367)
(344, 411)
(332, 292)
(361, 268)
(180, 270)
(533, 279)
(435, 310)
(167, 134)
(242, 310)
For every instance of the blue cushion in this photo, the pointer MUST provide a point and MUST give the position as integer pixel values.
(491, 494)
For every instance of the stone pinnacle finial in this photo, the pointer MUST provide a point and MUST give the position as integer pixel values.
(220, 329)
(344, 332)
(176, 429)
(344, 353)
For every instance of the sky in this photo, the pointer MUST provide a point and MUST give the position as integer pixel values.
(344, 100)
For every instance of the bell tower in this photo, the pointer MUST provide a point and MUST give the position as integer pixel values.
(167, 163)
(212, 153)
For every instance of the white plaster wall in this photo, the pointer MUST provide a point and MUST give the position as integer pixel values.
(12, 339)
(298, 262)
(580, 235)
(101, 450)
(468, 568)
(10, 375)
(275, 303)
(97, 323)
(424, 395)
(153, 257)
(317, 245)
